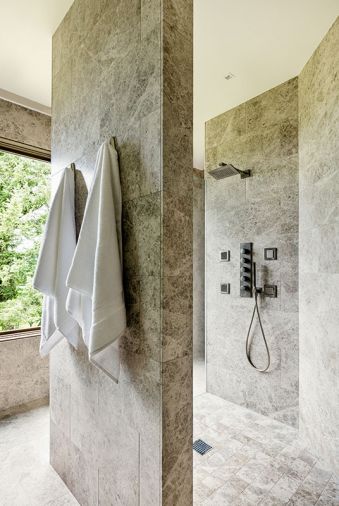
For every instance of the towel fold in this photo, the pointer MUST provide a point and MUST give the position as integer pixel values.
(54, 261)
(96, 298)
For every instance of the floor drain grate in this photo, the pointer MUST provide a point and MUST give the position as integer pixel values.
(201, 447)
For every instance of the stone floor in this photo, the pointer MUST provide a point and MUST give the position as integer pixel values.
(26, 478)
(254, 460)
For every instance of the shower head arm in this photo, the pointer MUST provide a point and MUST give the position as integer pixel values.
(244, 173)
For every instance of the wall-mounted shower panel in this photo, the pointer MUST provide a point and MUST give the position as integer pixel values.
(246, 269)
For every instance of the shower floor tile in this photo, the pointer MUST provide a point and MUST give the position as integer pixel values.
(254, 460)
(26, 478)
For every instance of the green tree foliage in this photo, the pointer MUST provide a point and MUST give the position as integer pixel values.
(24, 196)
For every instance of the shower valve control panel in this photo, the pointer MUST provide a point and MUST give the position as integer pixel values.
(246, 269)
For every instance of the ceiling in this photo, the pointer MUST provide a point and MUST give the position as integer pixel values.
(262, 42)
(26, 46)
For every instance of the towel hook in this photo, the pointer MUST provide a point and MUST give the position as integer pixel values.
(112, 142)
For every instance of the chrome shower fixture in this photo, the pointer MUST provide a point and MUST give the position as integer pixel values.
(227, 170)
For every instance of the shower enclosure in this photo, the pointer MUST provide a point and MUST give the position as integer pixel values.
(249, 215)
(265, 430)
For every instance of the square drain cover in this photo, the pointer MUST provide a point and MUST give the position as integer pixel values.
(201, 447)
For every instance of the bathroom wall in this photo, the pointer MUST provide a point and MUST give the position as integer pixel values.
(23, 374)
(319, 260)
(124, 68)
(260, 135)
(198, 265)
(20, 124)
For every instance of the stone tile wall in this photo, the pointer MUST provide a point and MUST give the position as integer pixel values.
(20, 124)
(261, 135)
(23, 375)
(124, 68)
(319, 236)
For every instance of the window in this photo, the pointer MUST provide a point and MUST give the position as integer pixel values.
(24, 197)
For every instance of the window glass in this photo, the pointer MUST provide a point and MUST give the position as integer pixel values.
(24, 197)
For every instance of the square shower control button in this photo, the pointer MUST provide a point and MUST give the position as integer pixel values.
(271, 291)
(225, 288)
(225, 256)
(270, 253)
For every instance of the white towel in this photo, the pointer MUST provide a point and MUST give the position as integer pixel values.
(96, 298)
(55, 259)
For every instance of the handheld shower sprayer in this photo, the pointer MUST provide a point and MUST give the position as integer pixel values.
(257, 290)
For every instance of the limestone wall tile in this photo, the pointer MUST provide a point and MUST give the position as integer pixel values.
(319, 184)
(260, 135)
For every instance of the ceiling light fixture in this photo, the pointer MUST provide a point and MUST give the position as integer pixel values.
(229, 76)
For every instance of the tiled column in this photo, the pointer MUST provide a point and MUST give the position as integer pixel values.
(124, 68)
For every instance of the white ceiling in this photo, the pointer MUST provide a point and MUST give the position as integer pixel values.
(262, 42)
(26, 33)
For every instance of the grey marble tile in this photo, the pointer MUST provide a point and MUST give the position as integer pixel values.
(228, 493)
(177, 316)
(178, 101)
(177, 234)
(119, 466)
(27, 477)
(274, 106)
(65, 500)
(150, 461)
(23, 375)
(141, 236)
(231, 124)
(24, 125)
(285, 488)
(269, 471)
(177, 443)
(150, 18)
(127, 72)
(260, 135)
(150, 155)
(318, 126)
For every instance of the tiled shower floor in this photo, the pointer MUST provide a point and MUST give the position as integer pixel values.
(255, 460)
(26, 478)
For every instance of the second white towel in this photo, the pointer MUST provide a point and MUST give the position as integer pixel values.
(96, 298)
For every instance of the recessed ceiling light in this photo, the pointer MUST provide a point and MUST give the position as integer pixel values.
(229, 76)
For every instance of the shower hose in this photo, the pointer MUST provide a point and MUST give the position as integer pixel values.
(249, 337)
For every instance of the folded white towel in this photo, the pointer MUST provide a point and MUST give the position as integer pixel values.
(96, 298)
(55, 259)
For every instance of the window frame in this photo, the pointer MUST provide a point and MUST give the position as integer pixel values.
(23, 149)
(37, 153)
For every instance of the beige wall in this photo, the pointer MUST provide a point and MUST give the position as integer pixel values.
(319, 257)
(260, 135)
(124, 68)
